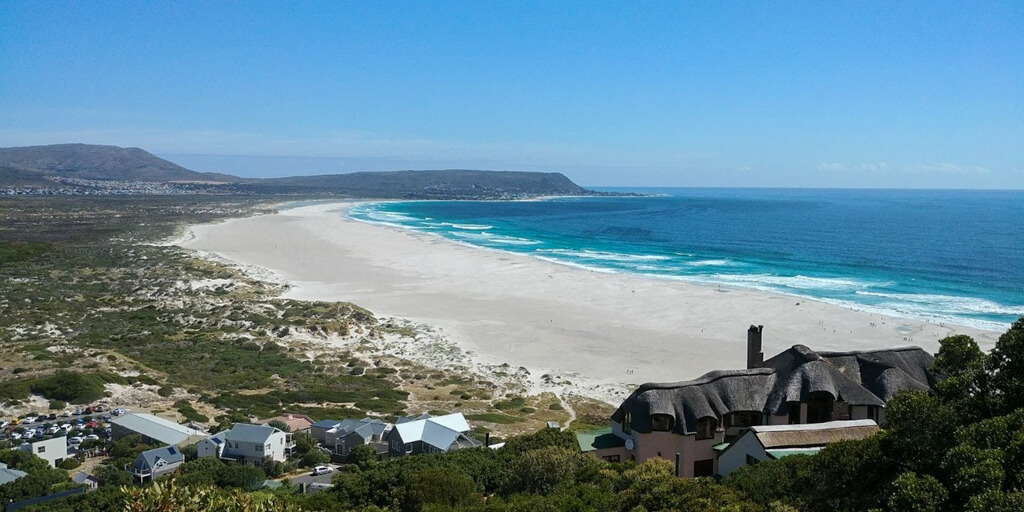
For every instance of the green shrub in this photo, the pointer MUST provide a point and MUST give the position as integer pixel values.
(165, 391)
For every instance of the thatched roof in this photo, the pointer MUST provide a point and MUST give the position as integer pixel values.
(858, 378)
(714, 394)
(818, 434)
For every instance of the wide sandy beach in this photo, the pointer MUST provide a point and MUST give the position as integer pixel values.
(596, 328)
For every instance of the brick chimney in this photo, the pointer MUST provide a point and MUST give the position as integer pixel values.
(755, 357)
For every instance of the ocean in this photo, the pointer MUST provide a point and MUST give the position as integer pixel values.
(952, 256)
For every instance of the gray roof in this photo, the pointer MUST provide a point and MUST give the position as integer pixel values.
(9, 475)
(366, 427)
(149, 458)
(155, 427)
(327, 423)
(82, 477)
(858, 378)
(248, 433)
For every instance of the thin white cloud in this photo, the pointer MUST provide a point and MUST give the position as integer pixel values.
(946, 168)
(841, 167)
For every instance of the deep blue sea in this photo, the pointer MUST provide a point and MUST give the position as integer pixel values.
(953, 256)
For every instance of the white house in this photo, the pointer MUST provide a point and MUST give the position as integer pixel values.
(439, 434)
(153, 464)
(767, 442)
(248, 443)
(154, 429)
(51, 450)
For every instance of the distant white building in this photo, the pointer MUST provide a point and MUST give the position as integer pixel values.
(248, 443)
(154, 429)
(51, 450)
(427, 434)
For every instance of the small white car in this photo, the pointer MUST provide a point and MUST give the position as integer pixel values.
(92, 437)
(76, 440)
(4, 423)
(322, 470)
(16, 436)
(65, 414)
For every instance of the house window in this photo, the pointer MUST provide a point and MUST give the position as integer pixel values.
(661, 422)
(819, 407)
(259, 448)
(706, 428)
(794, 413)
(40, 449)
(268, 447)
(704, 467)
(626, 420)
(611, 458)
(742, 419)
(408, 448)
(751, 460)
(873, 413)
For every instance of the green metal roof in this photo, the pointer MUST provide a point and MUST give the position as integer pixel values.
(720, 447)
(785, 452)
(598, 439)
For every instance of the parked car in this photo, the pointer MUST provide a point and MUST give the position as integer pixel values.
(4, 423)
(92, 424)
(76, 440)
(79, 411)
(41, 418)
(65, 414)
(322, 470)
(119, 411)
(52, 416)
(16, 435)
(99, 408)
(92, 437)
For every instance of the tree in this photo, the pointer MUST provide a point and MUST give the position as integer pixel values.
(167, 496)
(966, 383)
(544, 470)
(913, 493)
(1006, 363)
(280, 425)
(437, 486)
(363, 457)
(920, 428)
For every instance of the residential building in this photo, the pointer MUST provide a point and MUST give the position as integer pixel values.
(152, 464)
(245, 442)
(51, 450)
(797, 386)
(319, 429)
(83, 478)
(154, 429)
(768, 442)
(602, 443)
(294, 422)
(348, 434)
(427, 434)
(8, 475)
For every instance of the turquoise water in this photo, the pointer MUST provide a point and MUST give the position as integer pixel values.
(953, 256)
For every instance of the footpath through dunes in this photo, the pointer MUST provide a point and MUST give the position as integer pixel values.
(599, 331)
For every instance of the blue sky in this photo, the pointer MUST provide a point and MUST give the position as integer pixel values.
(807, 94)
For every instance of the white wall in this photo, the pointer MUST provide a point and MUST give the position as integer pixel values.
(51, 450)
(736, 455)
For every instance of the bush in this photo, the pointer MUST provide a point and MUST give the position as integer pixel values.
(165, 391)
(70, 463)
(58, 405)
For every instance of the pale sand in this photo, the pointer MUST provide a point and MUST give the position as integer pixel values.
(599, 329)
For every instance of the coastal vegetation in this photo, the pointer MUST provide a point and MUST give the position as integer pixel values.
(93, 308)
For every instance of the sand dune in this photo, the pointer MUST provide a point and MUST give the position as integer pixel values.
(598, 328)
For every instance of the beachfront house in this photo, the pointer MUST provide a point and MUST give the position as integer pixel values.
(294, 422)
(248, 443)
(152, 464)
(427, 434)
(154, 429)
(52, 450)
(768, 442)
(695, 419)
(348, 434)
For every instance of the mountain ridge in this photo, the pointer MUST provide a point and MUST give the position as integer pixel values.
(94, 167)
